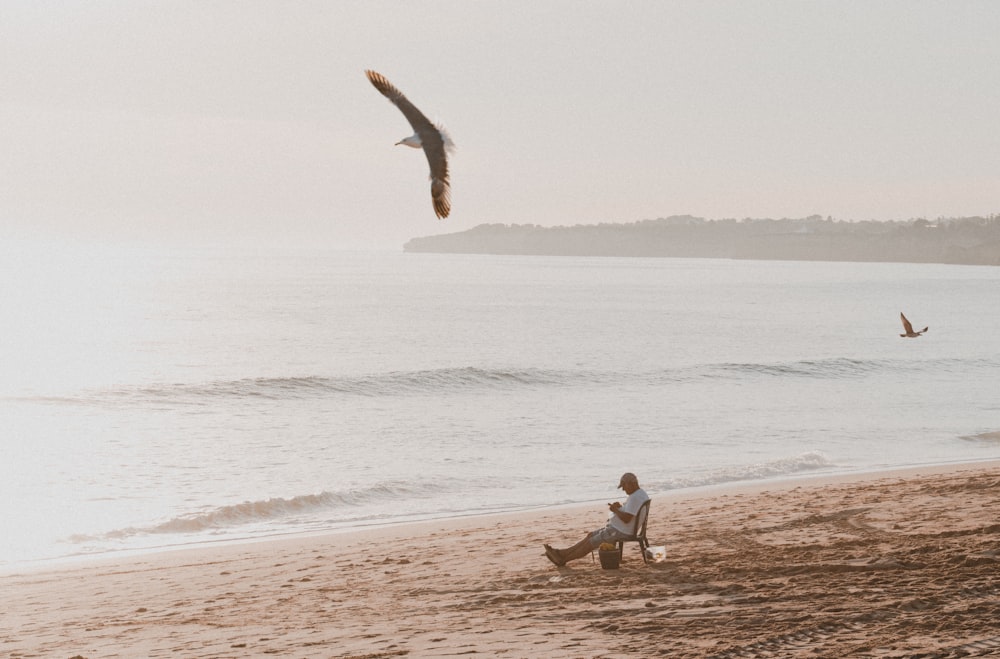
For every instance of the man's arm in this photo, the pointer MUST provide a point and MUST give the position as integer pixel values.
(616, 509)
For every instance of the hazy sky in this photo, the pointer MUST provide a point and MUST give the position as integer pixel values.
(253, 121)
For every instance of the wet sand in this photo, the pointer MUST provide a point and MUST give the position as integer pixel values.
(895, 564)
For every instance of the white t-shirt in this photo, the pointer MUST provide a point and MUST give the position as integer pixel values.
(631, 505)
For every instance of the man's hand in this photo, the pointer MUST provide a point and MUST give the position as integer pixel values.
(616, 511)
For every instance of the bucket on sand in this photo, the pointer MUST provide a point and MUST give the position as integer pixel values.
(610, 558)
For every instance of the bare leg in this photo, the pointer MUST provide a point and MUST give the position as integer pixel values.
(579, 550)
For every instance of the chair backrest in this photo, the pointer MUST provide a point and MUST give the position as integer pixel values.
(640, 520)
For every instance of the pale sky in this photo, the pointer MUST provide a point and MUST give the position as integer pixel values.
(207, 121)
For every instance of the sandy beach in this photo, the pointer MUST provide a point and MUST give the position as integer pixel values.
(894, 564)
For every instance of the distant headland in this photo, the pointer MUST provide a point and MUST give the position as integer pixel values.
(964, 240)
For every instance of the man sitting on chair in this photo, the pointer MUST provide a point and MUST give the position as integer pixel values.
(619, 525)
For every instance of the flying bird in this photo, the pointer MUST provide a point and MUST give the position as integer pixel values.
(431, 138)
(908, 328)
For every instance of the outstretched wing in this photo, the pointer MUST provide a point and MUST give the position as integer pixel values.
(437, 158)
(417, 120)
(431, 140)
(907, 327)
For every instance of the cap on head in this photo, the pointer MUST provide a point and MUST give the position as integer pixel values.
(627, 477)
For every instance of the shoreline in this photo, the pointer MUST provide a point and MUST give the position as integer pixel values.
(884, 563)
(451, 521)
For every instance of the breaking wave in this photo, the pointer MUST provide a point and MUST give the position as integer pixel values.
(269, 510)
(800, 464)
(401, 383)
(472, 379)
(985, 438)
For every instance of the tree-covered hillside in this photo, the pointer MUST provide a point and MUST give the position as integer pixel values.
(967, 240)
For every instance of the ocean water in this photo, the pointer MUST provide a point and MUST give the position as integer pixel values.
(160, 398)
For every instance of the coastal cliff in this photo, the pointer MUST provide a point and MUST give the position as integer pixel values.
(967, 240)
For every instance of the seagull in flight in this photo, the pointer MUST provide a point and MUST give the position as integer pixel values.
(431, 138)
(908, 328)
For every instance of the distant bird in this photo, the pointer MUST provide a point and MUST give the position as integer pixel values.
(908, 328)
(433, 139)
